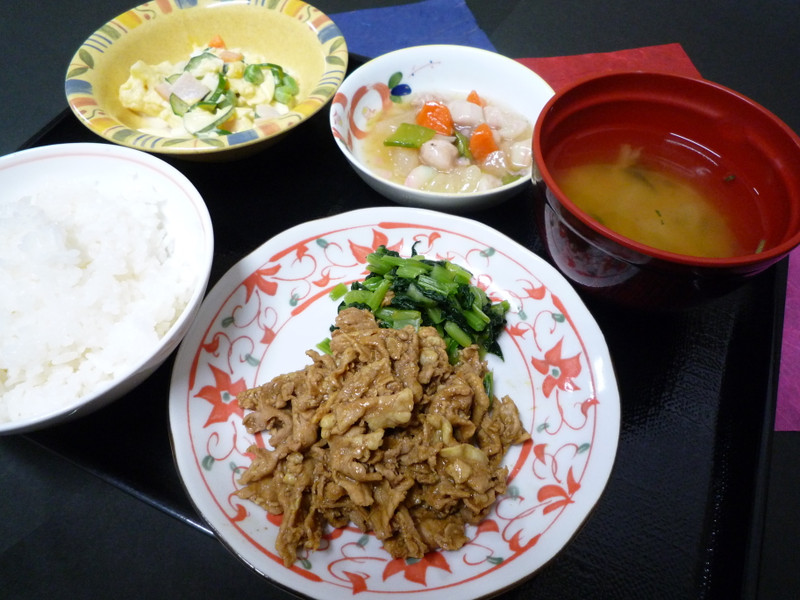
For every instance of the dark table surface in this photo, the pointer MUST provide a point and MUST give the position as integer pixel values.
(70, 529)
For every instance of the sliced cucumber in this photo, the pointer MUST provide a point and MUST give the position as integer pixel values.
(198, 121)
(203, 63)
(219, 90)
(178, 106)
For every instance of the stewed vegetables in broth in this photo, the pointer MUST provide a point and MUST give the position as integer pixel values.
(442, 143)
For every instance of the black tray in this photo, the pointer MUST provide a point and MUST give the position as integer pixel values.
(683, 511)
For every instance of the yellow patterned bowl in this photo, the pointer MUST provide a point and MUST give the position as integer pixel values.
(290, 33)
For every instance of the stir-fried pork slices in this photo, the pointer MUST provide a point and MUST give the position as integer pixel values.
(384, 433)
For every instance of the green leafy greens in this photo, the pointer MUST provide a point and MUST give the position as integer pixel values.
(425, 292)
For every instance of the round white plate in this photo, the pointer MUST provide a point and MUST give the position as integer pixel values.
(261, 317)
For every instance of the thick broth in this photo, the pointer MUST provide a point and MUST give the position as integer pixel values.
(511, 161)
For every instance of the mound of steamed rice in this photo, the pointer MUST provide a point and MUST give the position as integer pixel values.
(89, 284)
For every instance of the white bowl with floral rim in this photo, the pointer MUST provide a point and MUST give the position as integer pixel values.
(441, 69)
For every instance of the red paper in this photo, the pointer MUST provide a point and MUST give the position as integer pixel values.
(560, 71)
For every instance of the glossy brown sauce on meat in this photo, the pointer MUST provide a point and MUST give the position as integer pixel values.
(384, 433)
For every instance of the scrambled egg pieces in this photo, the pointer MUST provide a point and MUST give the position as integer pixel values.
(227, 92)
(139, 93)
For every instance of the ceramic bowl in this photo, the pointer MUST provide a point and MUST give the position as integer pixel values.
(448, 69)
(91, 174)
(294, 35)
(744, 156)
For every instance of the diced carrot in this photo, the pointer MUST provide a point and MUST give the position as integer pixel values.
(476, 99)
(436, 116)
(481, 143)
(216, 42)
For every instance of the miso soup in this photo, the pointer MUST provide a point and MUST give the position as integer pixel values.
(670, 202)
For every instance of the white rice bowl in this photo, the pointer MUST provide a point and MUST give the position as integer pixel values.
(105, 255)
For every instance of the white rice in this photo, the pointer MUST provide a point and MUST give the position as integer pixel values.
(88, 286)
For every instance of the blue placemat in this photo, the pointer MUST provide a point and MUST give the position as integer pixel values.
(374, 31)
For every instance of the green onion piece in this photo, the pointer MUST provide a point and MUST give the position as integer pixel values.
(377, 264)
(435, 314)
(456, 333)
(399, 261)
(371, 283)
(377, 296)
(476, 318)
(444, 275)
(357, 297)
(412, 269)
(499, 309)
(409, 135)
(444, 288)
(399, 318)
(253, 74)
(338, 291)
(277, 71)
(289, 83)
(459, 274)
(453, 349)
(283, 96)
(325, 346)
(488, 384)
(417, 296)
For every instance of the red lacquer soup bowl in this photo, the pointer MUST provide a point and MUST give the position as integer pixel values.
(740, 158)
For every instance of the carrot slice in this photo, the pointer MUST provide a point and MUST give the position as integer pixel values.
(475, 98)
(481, 143)
(216, 42)
(436, 116)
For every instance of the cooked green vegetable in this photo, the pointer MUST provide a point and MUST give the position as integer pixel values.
(462, 143)
(426, 292)
(409, 135)
(286, 90)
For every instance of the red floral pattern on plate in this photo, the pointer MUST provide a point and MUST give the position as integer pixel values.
(261, 317)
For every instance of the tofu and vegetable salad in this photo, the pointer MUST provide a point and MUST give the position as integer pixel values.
(216, 91)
